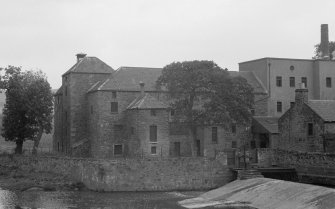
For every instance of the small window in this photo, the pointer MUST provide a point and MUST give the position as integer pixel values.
(114, 107)
(233, 128)
(328, 82)
(279, 81)
(310, 129)
(58, 146)
(113, 94)
(91, 109)
(57, 99)
(214, 134)
(291, 67)
(65, 90)
(132, 130)
(292, 81)
(172, 112)
(252, 111)
(153, 150)
(153, 133)
(153, 112)
(118, 149)
(304, 81)
(279, 107)
(65, 115)
(233, 144)
(292, 104)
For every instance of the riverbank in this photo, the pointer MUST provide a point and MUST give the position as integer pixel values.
(18, 175)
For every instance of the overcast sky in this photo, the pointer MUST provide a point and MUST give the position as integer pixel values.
(46, 34)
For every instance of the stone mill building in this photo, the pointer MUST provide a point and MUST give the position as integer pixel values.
(105, 113)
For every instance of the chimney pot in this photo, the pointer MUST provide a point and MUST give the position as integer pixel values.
(142, 88)
(80, 56)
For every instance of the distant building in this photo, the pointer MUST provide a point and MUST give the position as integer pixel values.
(309, 125)
(104, 113)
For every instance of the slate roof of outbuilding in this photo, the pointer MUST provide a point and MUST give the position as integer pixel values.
(324, 108)
(269, 123)
(252, 79)
(90, 65)
(146, 102)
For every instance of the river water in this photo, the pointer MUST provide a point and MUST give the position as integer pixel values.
(94, 200)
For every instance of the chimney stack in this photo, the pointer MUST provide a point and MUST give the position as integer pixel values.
(301, 95)
(142, 88)
(80, 56)
(324, 45)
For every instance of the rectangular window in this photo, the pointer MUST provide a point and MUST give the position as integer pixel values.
(65, 115)
(118, 130)
(328, 82)
(279, 81)
(172, 112)
(233, 128)
(292, 81)
(153, 150)
(292, 104)
(153, 112)
(279, 107)
(214, 134)
(304, 81)
(65, 90)
(153, 133)
(118, 149)
(114, 94)
(114, 107)
(310, 129)
(233, 144)
(91, 109)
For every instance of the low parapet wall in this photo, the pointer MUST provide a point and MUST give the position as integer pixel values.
(161, 174)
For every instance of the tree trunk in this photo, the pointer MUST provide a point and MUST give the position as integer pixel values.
(37, 141)
(18, 148)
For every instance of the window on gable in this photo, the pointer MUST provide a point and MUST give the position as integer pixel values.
(153, 133)
(153, 112)
(114, 107)
(329, 82)
(233, 144)
(292, 81)
(118, 130)
(310, 130)
(153, 150)
(113, 94)
(304, 81)
(233, 128)
(215, 134)
(118, 149)
(279, 81)
(279, 106)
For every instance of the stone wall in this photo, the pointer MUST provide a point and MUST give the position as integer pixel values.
(158, 174)
(145, 174)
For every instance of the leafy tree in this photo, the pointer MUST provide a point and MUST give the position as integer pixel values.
(317, 50)
(202, 93)
(28, 109)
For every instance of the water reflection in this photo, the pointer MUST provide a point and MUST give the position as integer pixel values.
(94, 200)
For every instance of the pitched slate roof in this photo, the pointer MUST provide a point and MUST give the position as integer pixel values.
(146, 102)
(90, 65)
(324, 108)
(59, 91)
(252, 79)
(128, 79)
(269, 123)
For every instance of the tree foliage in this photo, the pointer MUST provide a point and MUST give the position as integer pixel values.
(202, 93)
(317, 50)
(28, 109)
